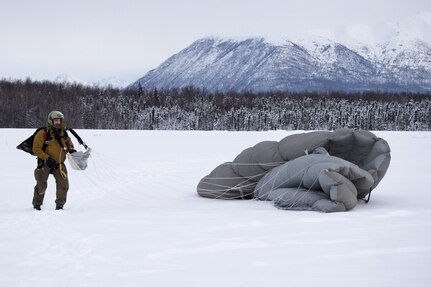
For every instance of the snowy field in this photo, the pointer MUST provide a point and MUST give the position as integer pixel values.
(133, 218)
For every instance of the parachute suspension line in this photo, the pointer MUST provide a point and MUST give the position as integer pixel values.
(368, 198)
(101, 172)
(106, 168)
(262, 164)
(238, 187)
(105, 175)
(238, 177)
(248, 182)
(299, 193)
(109, 176)
(299, 190)
(275, 175)
(230, 177)
(226, 188)
(273, 187)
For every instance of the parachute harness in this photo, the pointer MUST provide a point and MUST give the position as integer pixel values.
(62, 173)
(64, 149)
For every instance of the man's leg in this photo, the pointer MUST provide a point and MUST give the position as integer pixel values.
(62, 183)
(41, 176)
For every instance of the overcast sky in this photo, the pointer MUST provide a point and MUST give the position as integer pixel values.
(120, 40)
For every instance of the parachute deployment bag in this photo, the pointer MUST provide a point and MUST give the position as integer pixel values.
(78, 159)
(27, 145)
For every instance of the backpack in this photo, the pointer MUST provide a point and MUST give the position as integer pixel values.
(27, 145)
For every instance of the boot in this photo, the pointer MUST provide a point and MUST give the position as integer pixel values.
(59, 207)
(36, 206)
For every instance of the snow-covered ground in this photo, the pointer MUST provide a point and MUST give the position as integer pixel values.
(133, 218)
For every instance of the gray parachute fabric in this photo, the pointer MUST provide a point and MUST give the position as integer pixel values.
(298, 184)
(78, 160)
(324, 171)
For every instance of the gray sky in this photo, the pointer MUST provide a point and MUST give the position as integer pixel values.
(119, 41)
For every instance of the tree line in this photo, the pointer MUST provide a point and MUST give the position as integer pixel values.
(26, 104)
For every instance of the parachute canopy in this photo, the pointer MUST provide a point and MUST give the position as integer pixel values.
(323, 171)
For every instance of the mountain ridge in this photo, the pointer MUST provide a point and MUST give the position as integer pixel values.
(257, 65)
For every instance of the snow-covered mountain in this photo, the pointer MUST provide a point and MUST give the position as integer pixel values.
(318, 64)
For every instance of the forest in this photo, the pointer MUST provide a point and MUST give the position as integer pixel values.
(26, 104)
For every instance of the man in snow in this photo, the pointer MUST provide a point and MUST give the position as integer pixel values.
(50, 145)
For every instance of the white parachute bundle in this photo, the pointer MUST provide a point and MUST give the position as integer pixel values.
(78, 160)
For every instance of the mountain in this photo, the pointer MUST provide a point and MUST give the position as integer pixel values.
(259, 65)
(408, 61)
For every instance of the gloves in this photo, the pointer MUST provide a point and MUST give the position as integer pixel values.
(72, 150)
(51, 163)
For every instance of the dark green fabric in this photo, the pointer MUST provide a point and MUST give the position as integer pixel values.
(62, 185)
